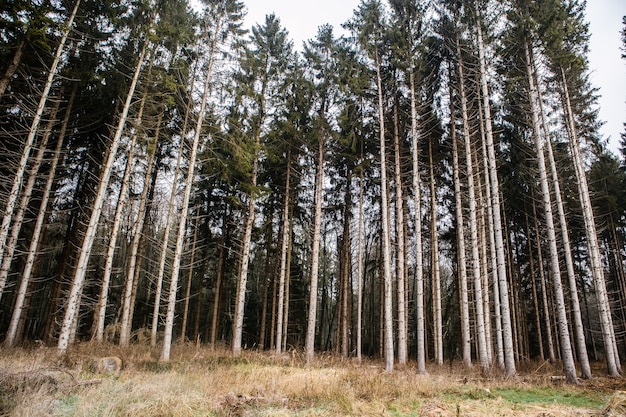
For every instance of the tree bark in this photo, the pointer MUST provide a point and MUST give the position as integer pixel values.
(507, 335)
(19, 307)
(90, 234)
(32, 133)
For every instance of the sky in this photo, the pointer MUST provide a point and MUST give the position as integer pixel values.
(608, 71)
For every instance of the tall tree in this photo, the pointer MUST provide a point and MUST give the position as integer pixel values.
(260, 77)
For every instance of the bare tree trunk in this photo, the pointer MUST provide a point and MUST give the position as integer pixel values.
(32, 133)
(90, 234)
(14, 63)
(491, 260)
(604, 307)
(473, 223)
(183, 330)
(435, 265)
(284, 246)
(386, 241)
(544, 288)
(18, 218)
(466, 347)
(507, 335)
(359, 272)
(533, 278)
(218, 285)
(569, 367)
(182, 225)
(400, 253)
(132, 276)
(19, 307)
(100, 313)
(419, 258)
(579, 331)
(315, 251)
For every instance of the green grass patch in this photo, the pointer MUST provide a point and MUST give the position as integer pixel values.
(550, 396)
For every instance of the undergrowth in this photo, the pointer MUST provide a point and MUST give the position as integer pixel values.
(200, 381)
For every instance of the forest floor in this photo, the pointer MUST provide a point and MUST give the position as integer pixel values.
(201, 382)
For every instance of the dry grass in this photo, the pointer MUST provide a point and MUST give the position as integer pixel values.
(201, 382)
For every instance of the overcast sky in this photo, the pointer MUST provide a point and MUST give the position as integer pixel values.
(302, 18)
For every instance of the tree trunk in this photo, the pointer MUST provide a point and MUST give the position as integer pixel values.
(569, 367)
(14, 63)
(32, 133)
(473, 223)
(579, 331)
(466, 348)
(284, 246)
(386, 241)
(90, 234)
(100, 313)
(435, 265)
(419, 258)
(183, 330)
(604, 307)
(359, 273)
(18, 218)
(315, 250)
(400, 245)
(132, 276)
(182, 223)
(218, 284)
(19, 307)
(507, 335)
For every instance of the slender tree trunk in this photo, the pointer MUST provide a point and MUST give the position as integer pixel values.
(315, 250)
(400, 253)
(284, 246)
(18, 218)
(473, 223)
(579, 331)
(218, 285)
(507, 335)
(14, 63)
(183, 330)
(435, 265)
(419, 258)
(359, 272)
(533, 278)
(19, 307)
(100, 313)
(544, 288)
(386, 241)
(466, 347)
(32, 133)
(345, 271)
(287, 281)
(182, 225)
(566, 349)
(90, 234)
(132, 276)
(604, 307)
(492, 258)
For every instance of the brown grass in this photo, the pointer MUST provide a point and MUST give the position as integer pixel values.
(201, 382)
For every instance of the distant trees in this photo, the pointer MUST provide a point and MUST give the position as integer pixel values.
(288, 189)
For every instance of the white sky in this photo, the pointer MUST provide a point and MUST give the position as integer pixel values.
(302, 18)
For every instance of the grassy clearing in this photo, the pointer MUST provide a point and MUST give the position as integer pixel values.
(201, 382)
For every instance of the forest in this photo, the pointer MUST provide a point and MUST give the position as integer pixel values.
(426, 185)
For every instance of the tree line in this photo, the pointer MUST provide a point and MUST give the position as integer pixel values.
(429, 185)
